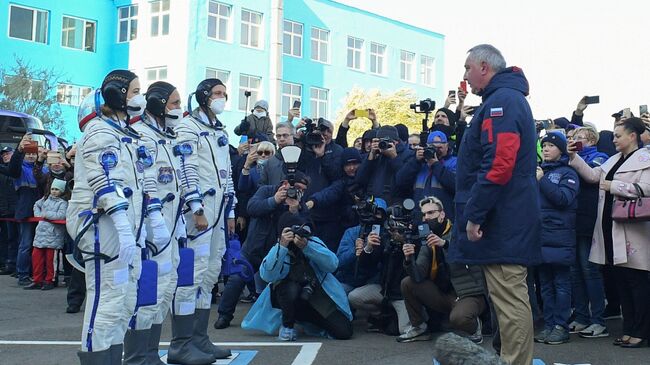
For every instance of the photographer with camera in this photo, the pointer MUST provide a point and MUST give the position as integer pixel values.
(344, 127)
(371, 214)
(454, 290)
(264, 209)
(258, 121)
(431, 173)
(301, 287)
(387, 155)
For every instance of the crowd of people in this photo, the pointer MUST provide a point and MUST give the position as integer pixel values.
(487, 222)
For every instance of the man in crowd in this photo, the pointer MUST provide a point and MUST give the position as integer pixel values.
(273, 172)
(496, 180)
(8, 229)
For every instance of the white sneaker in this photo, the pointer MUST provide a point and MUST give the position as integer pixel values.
(576, 327)
(594, 331)
(418, 333)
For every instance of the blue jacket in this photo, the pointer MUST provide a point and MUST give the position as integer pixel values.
(275, 267)
(378, 176)
(496, 185)
(558, 189)
(588, 195)
(366, 274)
(25, 184)
(438, 180)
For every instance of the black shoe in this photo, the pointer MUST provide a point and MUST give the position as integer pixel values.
(7, 271)
(24, 281)
(221, 323)
(72, 309)
(14, 274)
(33, 286)
(48, 286)
(612, 312)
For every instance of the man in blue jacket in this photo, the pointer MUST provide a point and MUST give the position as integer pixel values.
(497, 204)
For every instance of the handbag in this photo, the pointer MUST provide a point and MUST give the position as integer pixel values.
(632, 210)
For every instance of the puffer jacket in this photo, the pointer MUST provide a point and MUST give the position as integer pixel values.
(50, 235)
(257, 125)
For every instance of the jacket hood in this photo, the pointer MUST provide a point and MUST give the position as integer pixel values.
(563, 161)
(511, 78)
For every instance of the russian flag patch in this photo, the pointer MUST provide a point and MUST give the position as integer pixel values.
(496, 112)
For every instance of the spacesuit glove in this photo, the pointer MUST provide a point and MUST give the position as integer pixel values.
(128, 249)
(159, 229)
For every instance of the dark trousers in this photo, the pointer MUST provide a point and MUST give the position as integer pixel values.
(556, 294)
(611, 288)
(634, 291)
(463, 313)
(24, 257)
(287, 296)
(230, 296)
(587, 285)
(76, 288)
(8, 244)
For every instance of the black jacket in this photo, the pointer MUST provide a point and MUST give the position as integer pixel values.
(378, 176)
(8, 195)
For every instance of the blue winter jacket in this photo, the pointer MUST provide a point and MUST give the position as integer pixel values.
(366, 274)
(419, 180)
(558, 189)
(275, 267)
(588, 195)
(496, 185)
(25, 184)
(378, 176)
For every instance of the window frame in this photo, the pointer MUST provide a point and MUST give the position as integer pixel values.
(128, 20)
(292, 35)
(161, 15)
(384, 64)
(361, 57)
(79, 94)
(292, 97)
(251, 25)
(240, 91)
(157, 69)
(34, 25)
(424, 68)
(318, 101)
(217, 16)
(413, 63)
(85, 24)
(318, 43)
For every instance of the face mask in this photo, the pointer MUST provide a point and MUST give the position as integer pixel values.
(135, 105)
(446, 129)
(173, 117)
(259, 114)
(217, 105)
(436, 227)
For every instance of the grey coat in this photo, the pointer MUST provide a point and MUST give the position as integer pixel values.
(50, 235)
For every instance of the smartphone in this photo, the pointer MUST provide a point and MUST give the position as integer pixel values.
(578, 146)
(452, 92)
(643, 109)
(243, 139)
(592, 99)
(627, 113)
(53, 157)
(296, 104)
(463, 86)
(32, 147)
(423, 233)
(471, 110)
(376, 229)
(359, 113)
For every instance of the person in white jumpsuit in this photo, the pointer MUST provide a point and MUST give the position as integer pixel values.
(155, 127)
(104, 214)
(208, 191)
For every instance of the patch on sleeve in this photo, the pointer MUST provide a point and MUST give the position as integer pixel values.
(496, 112)
(108, 158)
(165, 175)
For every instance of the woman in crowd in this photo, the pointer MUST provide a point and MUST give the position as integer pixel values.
(625, 245)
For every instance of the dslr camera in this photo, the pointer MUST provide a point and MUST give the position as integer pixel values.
(430, 152)
(301, 230)
(385, 143)
(424, 106)
(400, 220)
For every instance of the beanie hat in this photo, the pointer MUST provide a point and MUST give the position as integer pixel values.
(556, 138)
(387, 131)
(58, 184)
(350, 155)
(402, 132)
(369, 134)
(115, 87)
(204, 91)
(439, 134)
(450, 115)
(262, 104)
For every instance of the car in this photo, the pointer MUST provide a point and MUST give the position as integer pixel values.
(14, 125)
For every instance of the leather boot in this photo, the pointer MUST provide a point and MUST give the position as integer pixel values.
(95, 358)
(153, 357)
(200, 336)
(116, 354)
(182, 349)
(135, 347)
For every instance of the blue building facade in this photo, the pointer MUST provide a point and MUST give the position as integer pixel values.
(309, 50)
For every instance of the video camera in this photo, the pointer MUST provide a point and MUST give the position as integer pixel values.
(543, 124)
(400, 221)
(366, 209)
(313, 136)
(424, 106)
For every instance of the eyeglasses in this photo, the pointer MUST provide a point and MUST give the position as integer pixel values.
(431, 212)
(264, 153)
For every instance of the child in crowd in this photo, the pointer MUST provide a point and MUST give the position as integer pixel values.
(49, 236)
(558, 189)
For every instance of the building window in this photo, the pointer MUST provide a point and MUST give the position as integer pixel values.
(219, 21)
(71, 94)
(28, 24)
(290, 93)
(251, 29)
(224, 76)
(320, 45)
(252, 84)
(156, 74)
(128, 23)
(428, 66)
(377, 58)
(355, 53)
(318, 99)
(407, 66)
(78, 34)
(34, 89)
(292, 39)
(159, 18)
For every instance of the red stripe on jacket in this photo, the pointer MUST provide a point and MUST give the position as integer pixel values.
(504, 158)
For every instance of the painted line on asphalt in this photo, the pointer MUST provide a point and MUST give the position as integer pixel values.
(306, 356)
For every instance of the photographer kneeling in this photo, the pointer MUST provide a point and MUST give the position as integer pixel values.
(451, 289)
(301, 288)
